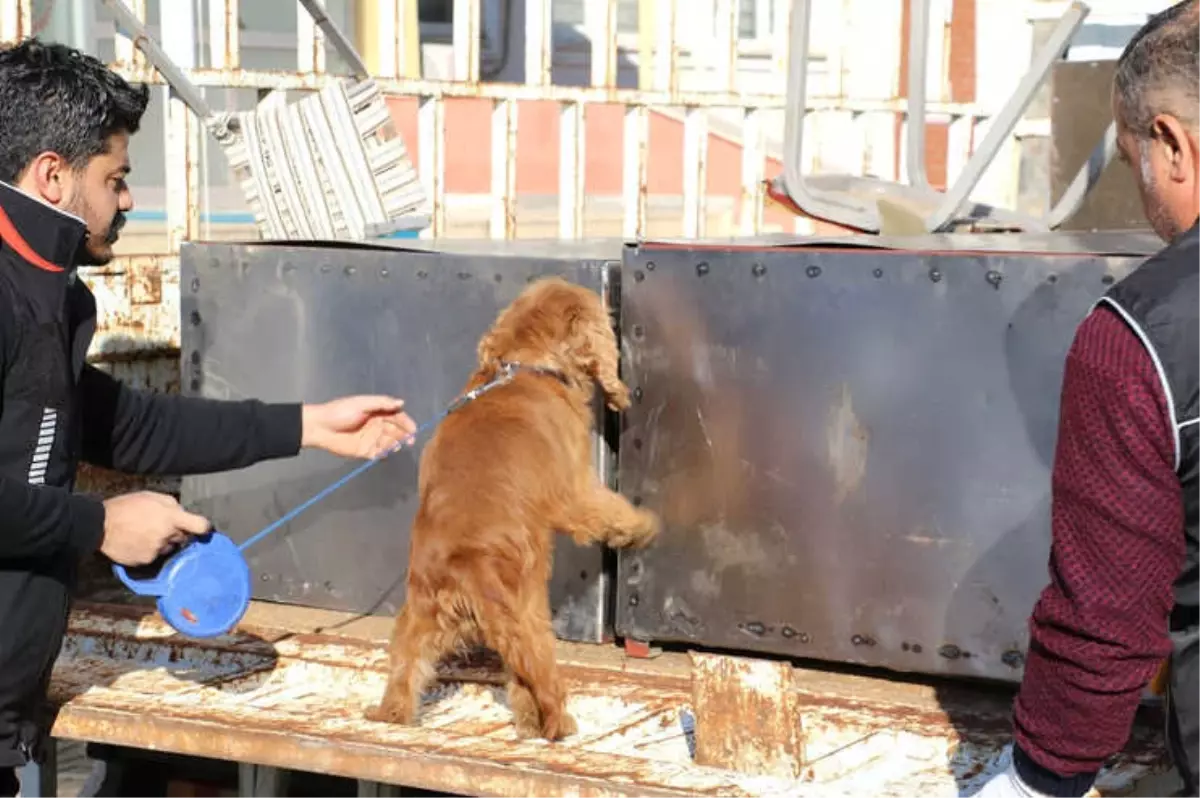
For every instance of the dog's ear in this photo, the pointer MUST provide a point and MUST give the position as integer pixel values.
(499, 339)
(593, 347)
(488, 351)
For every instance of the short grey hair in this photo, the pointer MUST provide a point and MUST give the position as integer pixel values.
(1158, 71)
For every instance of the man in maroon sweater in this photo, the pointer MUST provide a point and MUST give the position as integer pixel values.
(1123, 589)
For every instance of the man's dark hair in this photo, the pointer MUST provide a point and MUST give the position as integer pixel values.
(56, 99)
(1158, 72)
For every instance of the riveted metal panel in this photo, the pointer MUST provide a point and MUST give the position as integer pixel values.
(291, 322)
(851, 449)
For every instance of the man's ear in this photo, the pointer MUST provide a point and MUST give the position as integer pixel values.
(1177, 147)
(46, 178)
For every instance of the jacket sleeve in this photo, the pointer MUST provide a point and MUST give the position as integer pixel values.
(1099, 629)
(39, 521)
(139, 432)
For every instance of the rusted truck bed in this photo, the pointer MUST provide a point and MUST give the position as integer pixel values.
(289, 690)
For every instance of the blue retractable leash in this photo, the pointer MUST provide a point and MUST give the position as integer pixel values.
(203, 590)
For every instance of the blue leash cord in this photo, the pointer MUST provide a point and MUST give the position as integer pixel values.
(506, 374)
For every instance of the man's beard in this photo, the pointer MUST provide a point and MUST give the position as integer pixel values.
(86, 256)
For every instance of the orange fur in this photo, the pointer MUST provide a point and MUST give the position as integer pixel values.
(498, 478)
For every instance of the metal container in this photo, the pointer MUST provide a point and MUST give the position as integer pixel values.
(851, 442)
(312, 322)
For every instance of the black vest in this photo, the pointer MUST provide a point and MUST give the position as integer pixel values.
(1160, 301)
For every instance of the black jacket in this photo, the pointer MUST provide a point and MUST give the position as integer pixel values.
(56, 410)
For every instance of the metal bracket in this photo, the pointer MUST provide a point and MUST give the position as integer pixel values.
(935, 211)
(255, 780)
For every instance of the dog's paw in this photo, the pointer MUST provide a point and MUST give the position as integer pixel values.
(617, 397)
(644, 530)
(386, 714)
(565, 727)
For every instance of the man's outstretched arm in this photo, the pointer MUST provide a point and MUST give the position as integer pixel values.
(139, 432)
(144, 433)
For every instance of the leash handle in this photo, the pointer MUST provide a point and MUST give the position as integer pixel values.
(505, 374)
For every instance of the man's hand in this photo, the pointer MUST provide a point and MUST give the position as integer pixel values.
(356, 426)
(141, 527)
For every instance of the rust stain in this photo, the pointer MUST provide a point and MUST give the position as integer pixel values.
(847, 440)
(747, 716)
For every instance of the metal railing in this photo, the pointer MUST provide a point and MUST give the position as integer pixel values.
(666, 50)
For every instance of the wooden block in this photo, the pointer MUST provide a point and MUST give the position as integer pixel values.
(747, 716)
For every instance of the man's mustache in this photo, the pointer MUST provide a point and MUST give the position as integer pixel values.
(114, 229)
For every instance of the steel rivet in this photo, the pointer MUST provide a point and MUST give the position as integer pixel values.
(754, 627)
(196, 358)
(422, 274)
(636, 501)
(758, 270)
(583, 575)
(638, 331)
(804, 638)
(349, 270)
(935, 275)
(195, 384)
(1108, 279)
(265, 578)
(813, 271)
(1053, 278)
(195, 285)
(384, 273)
(649, 265)
(916, 648)
(878, 273)
(464, 275)
(195, 317)
(701, 269)
(788, 632)
(638, 276)
(1013, 659)
(994, 278)
(950, 651)
(637, 394)
(637, 443)
(499, 278)
(633, 599)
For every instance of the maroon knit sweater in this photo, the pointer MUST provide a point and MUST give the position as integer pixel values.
(1099, 630)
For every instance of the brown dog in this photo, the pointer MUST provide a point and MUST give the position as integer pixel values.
(499, 477)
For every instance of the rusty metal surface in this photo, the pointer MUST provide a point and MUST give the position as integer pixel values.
(850, 449)
(283, 696)
(747, 716)
(137, 307)
(289, 323)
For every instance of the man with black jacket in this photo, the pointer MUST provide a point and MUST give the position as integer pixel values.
(65, 123)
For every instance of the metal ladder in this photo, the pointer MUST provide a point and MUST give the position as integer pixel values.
(870, 204)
